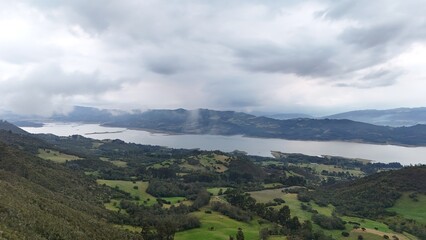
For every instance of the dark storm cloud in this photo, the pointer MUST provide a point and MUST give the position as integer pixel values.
(373, 36)
(374, 79)
(303, 60)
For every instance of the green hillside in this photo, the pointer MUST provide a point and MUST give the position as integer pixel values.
(44, 200)
(73, 188)
(384, 196)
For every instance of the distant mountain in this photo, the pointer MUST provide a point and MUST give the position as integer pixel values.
(392, 117)
(285, 116)
(205, 121)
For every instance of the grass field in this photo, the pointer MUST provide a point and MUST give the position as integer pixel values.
(140, 192)
(291, 201)
(331, 168)
(55, 156)
(214, 162)
(410, 209)
(376, 234)
(272, 185)
(223, 228)
(295, 207)
(117, 163)
(215, 190)
(129, 186)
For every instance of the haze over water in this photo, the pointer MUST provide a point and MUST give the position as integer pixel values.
(253, 146)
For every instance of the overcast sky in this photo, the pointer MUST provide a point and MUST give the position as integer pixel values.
(318, 57)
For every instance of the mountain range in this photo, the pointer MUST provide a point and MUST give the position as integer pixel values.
(205, 121)
(392, 117)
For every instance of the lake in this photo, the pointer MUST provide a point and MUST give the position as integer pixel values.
(253, 146)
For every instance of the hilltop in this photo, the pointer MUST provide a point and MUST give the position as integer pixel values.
(6, 126)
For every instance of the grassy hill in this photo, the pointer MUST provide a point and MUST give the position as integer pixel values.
(382, 196)
(370, 196)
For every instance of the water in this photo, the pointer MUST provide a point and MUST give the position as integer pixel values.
(253, 146)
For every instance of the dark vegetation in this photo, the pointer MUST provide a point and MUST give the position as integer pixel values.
(370, 197)
(40, 199)
(43, 200)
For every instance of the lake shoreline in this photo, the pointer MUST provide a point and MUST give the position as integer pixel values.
(170, 133)
(252, 145)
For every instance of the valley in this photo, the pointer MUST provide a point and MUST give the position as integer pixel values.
(214, 193)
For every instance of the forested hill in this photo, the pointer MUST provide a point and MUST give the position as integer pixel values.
(204, 121)
(44, 200)
(6, 126)
(370, 196)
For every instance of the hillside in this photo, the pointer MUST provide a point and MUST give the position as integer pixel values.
(392, 117)
(6, 126)
(44, 200)
(374, 196)
(370, 196)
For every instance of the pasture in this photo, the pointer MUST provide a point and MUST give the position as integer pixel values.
(55, 156)
(411, 209)
(216, 226)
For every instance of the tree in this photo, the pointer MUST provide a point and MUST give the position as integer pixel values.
(220, 192)
(166, 229)
(263, 234)
(284, 215)
(240, 234)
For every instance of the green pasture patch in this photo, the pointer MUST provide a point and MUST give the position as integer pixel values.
(216, 226)
(331, 168)
(56, 156)
(272, 185)
(129, 186)
(215, 190)
(411, 209)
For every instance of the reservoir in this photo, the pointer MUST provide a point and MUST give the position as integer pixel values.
(253, 146)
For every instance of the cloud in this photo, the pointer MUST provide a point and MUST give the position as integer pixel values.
(300, 60)
(241, 55)
(374, 79)
(48, 88)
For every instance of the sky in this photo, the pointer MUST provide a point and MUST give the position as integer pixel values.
(317, 57)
